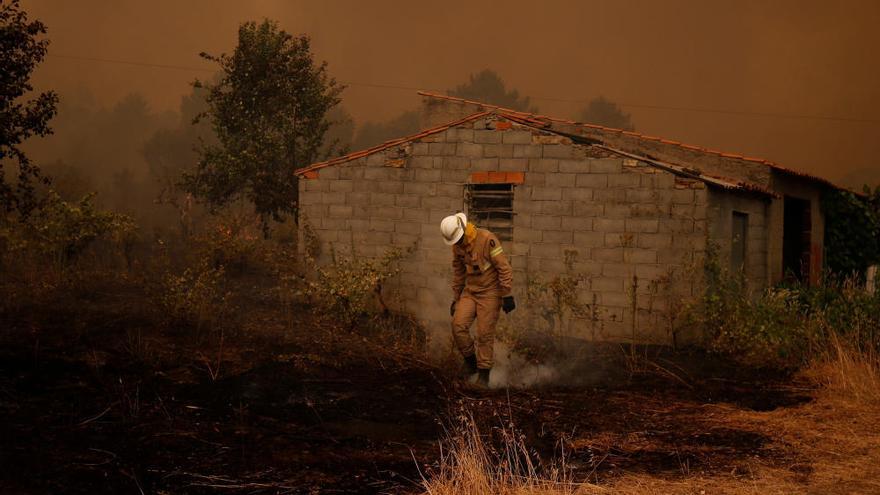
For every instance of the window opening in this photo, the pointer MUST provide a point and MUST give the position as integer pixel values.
(490, 206)
(739, 235)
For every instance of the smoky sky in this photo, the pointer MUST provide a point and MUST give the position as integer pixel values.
(661, 60)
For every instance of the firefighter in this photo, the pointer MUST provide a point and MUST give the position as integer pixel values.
(481, 285)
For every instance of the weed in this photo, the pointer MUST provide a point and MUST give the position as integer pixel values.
(470, 466)
(197, 296)
(351, 287)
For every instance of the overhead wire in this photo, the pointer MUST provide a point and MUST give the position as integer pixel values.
(539, 98)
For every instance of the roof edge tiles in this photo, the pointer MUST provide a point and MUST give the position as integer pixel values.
(719, 182)
(547, 120)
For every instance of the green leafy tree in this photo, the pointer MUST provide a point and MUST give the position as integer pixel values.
(21, 49)
(487, 86)
(269, 114)
(852, 230)
(602, 111)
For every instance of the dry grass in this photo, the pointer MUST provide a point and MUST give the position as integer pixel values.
(836, 437)
(469, 466)
(848, 372)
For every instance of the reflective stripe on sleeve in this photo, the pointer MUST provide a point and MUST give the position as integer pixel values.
(495, 252)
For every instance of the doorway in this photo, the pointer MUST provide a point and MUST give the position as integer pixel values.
(796, 238)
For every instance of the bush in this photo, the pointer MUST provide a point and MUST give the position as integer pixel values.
(197, 296)
(782, 327)
(61, 231)
(351, 287)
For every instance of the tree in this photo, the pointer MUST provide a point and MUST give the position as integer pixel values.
(602, 111)
(487, 86)
(172, 151)
(852, 230)
(268, 112)
(373, 133)
(340, 135)
(21, 49)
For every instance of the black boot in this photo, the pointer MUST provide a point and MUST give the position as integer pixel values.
(483, 379)
(470, 362)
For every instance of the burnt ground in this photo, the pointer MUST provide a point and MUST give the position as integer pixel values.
(97, 397)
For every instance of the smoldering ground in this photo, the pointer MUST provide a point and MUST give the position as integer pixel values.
(572, 363)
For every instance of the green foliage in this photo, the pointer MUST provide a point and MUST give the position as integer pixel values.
(197, 296)
(487, 86)
(781, 327)
(852, 231)
(351, 287)
(269, 113)
(605, 112)
(62, 230)
(21, 49)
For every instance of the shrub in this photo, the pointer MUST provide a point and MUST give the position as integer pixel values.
(782, 327)
(61, 231)
(196, 296)
(351, 286)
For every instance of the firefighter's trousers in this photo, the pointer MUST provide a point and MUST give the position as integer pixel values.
(483, 307)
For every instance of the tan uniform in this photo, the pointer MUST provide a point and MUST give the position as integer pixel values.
(482, 276)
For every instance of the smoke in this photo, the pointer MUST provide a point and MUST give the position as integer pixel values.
(513, 370)
(795, 57)
(570, 362)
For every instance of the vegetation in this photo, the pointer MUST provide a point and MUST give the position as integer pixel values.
(783, 327)
(487, 86)
(269, 113)
(350, 287)
(603, 111)
(852, 231)
(372, 133)
(159, 358)
(21, 50)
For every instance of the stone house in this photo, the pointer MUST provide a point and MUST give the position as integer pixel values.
(621, 219)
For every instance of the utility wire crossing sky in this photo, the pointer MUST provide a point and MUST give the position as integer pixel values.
(545, 98)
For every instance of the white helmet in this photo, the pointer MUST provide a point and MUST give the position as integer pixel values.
(452, 228)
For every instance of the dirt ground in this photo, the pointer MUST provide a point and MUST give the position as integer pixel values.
(95, 397)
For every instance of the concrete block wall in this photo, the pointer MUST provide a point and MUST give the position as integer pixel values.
(577, 214)
(437, 111)
(722, 205)
(620, 226)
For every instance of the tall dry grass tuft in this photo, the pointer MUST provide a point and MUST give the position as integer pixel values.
(470, 466)
(848, 371)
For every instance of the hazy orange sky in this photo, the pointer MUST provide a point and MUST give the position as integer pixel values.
(793, 57)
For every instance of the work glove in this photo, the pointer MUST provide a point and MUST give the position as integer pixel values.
(508, 304)
(452, 308)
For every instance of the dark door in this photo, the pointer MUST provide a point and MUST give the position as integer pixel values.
(796, 239)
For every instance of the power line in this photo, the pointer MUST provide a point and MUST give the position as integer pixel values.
(129, 62)
(540, 98)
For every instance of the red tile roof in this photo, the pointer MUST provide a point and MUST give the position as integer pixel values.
(546, 121)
